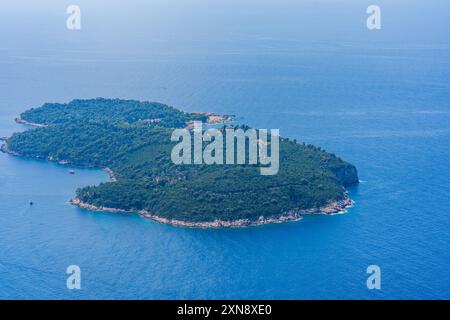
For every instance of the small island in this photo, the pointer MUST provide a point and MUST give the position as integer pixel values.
(130, 140)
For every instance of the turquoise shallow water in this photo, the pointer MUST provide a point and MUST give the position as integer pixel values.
(380, 103)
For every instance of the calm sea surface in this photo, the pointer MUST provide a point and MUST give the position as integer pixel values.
(380, 101)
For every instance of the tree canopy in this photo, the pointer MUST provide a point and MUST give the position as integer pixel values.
(111, 133)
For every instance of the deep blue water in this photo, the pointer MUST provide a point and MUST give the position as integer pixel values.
(379, 100)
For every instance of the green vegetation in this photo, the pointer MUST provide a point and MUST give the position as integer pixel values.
(110, 111)
(110, 133)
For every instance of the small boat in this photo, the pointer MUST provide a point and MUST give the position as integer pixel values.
(71, 172)
(31, 203)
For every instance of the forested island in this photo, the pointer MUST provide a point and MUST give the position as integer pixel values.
(131, 140)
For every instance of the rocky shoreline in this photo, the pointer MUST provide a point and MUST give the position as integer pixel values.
(4, 148)
(212, 119)
(110, 173)
(295, 215)
(25, 122)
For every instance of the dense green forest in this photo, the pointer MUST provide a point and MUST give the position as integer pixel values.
(110, 111)
(147, 179)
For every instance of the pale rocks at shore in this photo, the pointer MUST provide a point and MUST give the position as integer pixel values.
(293, 215)
(334, 207)
(22, 121)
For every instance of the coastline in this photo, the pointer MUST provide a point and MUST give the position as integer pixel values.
(332, 208)
(25, 122)
(4, 148)
(335, 207)
(213, 119)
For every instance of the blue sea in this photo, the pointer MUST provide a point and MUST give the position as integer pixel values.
(379, 99)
